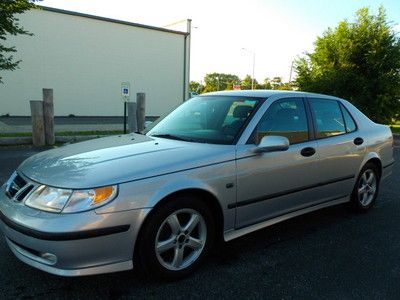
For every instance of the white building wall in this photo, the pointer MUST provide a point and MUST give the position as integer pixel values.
(85, 60)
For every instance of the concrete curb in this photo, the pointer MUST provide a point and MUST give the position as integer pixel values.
(13, 141)
(27, 140)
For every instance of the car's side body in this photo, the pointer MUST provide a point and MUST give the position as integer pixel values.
(245, 190)
(327, 178)
(303, 183)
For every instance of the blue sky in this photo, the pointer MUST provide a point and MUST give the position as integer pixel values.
(277, 31)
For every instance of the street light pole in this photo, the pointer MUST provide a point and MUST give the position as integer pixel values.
(291, 71)
(254, 64)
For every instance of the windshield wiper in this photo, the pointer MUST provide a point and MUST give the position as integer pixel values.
(172, 137)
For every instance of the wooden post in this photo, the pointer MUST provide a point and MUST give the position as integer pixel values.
(141, 110)
(38, 137)
(48, 114)
(132, 118)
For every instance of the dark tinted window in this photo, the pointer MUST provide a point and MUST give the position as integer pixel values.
(350, 124)
(328, 118)
(286, 117)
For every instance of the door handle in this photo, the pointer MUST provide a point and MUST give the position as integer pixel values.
(308, 151)
(358, 141)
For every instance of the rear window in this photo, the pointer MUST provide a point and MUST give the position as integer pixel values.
(328, 118)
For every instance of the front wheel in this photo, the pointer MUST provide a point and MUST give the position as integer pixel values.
(176, 238)
(366, 189)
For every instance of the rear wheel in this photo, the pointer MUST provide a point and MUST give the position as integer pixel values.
(176, 238)
(366, 189)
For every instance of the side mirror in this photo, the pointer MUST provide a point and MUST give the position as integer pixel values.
(272, 143)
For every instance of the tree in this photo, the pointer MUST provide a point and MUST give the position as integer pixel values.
(195, 86)
(9, 26)
(246, 83)
(286, 86)
(276, 83)
(267, 84)
(358, 61)
(220, 82)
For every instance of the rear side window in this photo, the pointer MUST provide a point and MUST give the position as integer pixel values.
(350, 124)
(286, 117)
(328, 118)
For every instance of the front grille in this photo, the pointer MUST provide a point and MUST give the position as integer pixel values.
(18, 188)
(21, 196)
(16, 185)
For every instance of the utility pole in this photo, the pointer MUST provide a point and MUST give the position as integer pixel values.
(188, 41)
(188, 38)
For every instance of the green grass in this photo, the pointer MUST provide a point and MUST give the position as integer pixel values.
(395, 128)
(2, 134)
(65, 133)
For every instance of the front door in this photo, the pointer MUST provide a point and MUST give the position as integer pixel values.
(275, 183)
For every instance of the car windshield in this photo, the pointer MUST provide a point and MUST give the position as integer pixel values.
(207, 119)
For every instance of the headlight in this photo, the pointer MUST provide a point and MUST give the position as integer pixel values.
(70, 201)
(82, 200)
(48, 198)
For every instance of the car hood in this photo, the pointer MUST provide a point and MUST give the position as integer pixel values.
(118, 159)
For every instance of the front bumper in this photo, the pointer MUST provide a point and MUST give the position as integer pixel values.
(71, 244)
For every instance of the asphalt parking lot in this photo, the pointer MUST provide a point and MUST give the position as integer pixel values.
(330, 254)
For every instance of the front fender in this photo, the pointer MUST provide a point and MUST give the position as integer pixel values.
(218, 180)
(175, 185)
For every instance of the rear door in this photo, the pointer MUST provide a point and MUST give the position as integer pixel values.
(340, 146)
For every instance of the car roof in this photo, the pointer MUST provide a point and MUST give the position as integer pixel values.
(266, 94)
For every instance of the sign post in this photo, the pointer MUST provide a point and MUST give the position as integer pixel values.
(125, 92)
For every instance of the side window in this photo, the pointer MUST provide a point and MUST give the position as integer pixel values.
(328, 118)
(286, 117)
(348, 119)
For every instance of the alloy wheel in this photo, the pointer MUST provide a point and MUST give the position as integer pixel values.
(181, 239)
(367, 187)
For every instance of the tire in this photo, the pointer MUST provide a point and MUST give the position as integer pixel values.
(184, 230)
(366, 188)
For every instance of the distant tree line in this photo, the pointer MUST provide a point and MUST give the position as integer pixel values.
(221, 81)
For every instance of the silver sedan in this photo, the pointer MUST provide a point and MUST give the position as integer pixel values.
(219, 166)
